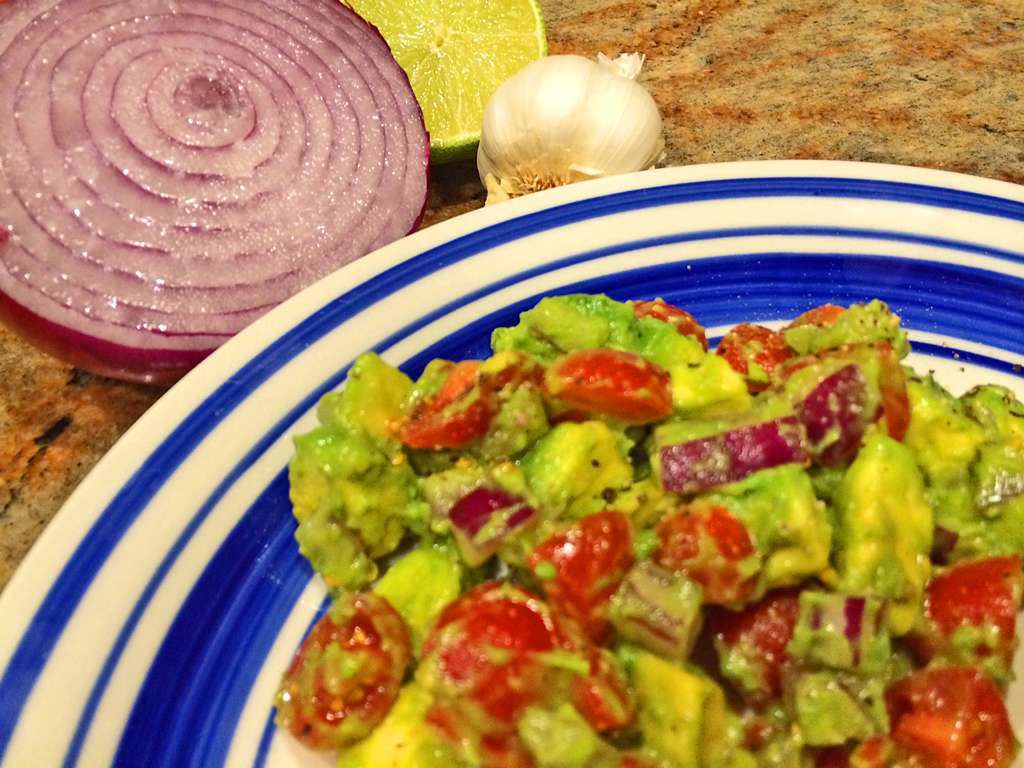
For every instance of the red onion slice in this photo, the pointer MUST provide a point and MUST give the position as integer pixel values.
(728, 457)
(834, 416)
(484, 518)
(170, 171)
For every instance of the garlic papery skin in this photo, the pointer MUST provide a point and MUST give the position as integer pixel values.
(564, 119)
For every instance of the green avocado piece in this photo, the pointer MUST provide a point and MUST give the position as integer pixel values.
(682, 716)
(560, 738)
(945, 442)
(403, 739)
(419, 586)
(521, 419)
(578, 467)
(348, 494)
(971, 451)
(372, 400)
(352, 491)
(789, 526)
(859, 324)
(703, 384)
(832, 708)
(560, 324)
(884, 529)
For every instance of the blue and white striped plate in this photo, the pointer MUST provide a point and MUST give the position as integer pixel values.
(150, 624)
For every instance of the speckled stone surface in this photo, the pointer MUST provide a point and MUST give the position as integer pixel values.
(926, 83)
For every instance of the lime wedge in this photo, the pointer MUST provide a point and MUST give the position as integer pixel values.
(456, 53)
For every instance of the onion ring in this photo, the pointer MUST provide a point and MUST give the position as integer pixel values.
(171, 171)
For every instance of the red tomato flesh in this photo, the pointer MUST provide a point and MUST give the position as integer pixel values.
(329, 700)
(707, 545)
(588, 563)
(679, 319)
(950, 717)
(612, 383)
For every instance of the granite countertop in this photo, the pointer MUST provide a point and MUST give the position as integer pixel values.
(934, 83)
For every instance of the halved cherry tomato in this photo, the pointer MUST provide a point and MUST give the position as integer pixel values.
(756, 637)
(603, 697)
(822, 316)
(347, 673)
(679, 319)
(579, 569)
(709, 545)
(460, 413)
(749, 345)
(620, 385)
(950, 717)
(977, 593)
(486, 662)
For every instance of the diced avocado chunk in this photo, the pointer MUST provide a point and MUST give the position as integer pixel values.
(682, 715)
(371, 401)
(578, 468)
(561, 324)
(945, 442)
(702, 383)
(884, 529)
(832, 708)
(403, 739)
(352, 491)
(419, 586)
(860, 323)
(520, 420)
(840, 632)
(351, 497)
(788, 524)
(560, 738)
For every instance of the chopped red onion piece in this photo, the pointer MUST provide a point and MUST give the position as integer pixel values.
(834, 416)
(171, 171)
(840, 631)
(728, 457)
(483, 519)
(658, 609)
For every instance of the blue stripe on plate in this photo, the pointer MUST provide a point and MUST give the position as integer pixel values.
(809, 282)
(38, 641)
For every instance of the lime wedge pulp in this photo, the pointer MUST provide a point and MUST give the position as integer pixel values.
(456, 53)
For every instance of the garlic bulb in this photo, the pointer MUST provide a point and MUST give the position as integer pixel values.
(564, 119)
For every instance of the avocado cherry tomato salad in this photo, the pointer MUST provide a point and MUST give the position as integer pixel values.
(634, 552)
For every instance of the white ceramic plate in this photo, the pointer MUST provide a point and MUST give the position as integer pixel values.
(149, 625)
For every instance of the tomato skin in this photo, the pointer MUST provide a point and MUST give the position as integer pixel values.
(458, 414)
(484, 661)
(822, 316)
(760, 633)
(976, 593)
(589, 560)
(747, 344)
(612, 383)
(679, 319)
(893, 388)
(489, 657)
(709, 545)
(330, 700)
(950, 717)
(603, 697)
